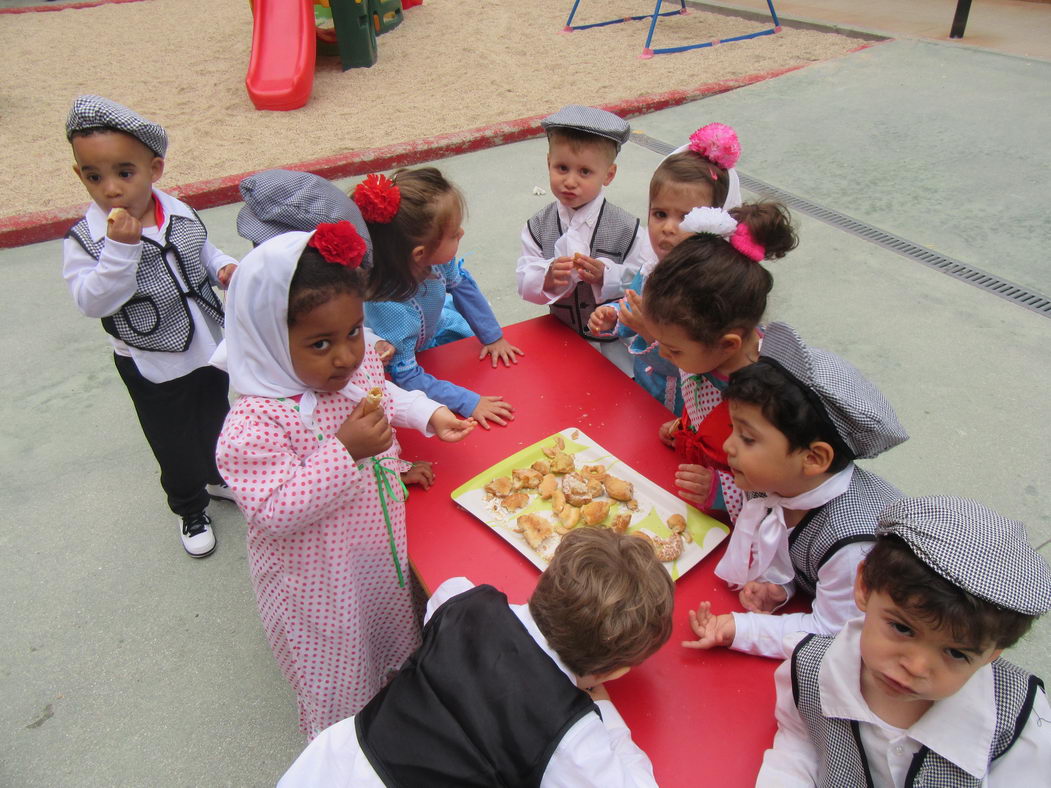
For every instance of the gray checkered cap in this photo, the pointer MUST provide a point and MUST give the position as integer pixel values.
(95, 112)
(974, 548)
(864, 419)
(280, 201)
(592, 120)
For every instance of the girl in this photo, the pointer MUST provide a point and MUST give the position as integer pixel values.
(315, 470)
(703, 305)
(700, 173)
(414, 220)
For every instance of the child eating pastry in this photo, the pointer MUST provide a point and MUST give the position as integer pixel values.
(800, 417)
(915, 693)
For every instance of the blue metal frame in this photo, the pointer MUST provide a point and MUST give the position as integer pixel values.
(647, 52)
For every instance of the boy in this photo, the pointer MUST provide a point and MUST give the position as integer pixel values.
(915, 692)
(504, 694)
(800, 416)
(581, 250)
(140, 260)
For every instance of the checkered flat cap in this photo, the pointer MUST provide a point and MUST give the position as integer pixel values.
(95, 112)
(281, 201)
(862, 417)
(592, 120)
(974, 548)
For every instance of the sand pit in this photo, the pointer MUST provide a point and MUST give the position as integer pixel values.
(451, 66)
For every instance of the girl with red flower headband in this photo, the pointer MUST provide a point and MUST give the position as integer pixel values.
(312, 460)
(414, 220)
(703, 305)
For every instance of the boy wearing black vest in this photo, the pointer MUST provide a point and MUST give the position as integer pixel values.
(503, 694)
(140, 260)
(581, 250)
(915, 693)
(801, 416)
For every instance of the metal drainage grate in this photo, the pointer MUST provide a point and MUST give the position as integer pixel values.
(1034, 302)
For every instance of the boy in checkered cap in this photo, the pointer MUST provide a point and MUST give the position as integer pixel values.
(915, 693)
(140, 260)
(801, 417)
(581, 250)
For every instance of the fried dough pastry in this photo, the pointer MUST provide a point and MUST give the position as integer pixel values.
(541, 466)
(558, 500)
(621, 522)
(534, 528)
(677, 523)
(576, 489)
(500, 486)
(562, 463)
(526, 477)
(595, 512)
(515, 502)
(548, 485)
(569, 517)
(618, 489)
(667, 549)
(597, 472)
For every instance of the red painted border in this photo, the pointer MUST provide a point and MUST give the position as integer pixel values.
(47, 225)
(32, 9)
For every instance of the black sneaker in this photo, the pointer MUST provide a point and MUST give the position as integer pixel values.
(197, 537)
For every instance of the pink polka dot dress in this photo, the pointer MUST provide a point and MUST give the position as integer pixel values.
(318, 549)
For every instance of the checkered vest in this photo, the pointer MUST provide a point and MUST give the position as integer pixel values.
(850, 518)
(614, 235)
(838, 741)
(157, 317)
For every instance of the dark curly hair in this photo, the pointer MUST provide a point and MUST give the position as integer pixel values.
(316, 281)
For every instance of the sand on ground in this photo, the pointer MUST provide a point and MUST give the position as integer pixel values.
(450, 66)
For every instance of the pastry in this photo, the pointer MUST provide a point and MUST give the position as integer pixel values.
(525, 477)
(558, 500)
(112, 216)
(372, 399)
(515, 502)
(569, 517)
(676, 523)
(562, 462)
(540, 466)
(576, 489)
(597, 472)
(595, 512)
(500, 486)
(548, 485)
(621, 522)
(534, 528)
(618, 489)
(667, 549)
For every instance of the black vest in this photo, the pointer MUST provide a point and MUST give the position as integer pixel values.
(478, 704)
(838, 741)
(614, 235)
(157, 317)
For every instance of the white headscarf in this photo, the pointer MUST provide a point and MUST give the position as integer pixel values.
(255, 351)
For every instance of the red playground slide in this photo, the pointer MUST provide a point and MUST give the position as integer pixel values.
(284, 47)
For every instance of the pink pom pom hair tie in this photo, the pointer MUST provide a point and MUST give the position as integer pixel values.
(743, 242)
(718, 143)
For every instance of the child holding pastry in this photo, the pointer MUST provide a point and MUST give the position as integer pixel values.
(703, 305)
(140, 260)
(700, 173)
(581, 250)
(916, 692)
(415, 223)
(315, 469)
(801, 417)
(502, 694)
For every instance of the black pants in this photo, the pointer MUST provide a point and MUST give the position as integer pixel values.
(181, 420)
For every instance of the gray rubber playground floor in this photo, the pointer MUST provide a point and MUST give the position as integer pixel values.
(124, 662)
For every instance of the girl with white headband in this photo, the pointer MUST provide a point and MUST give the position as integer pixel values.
(703, 305)
(311, 455)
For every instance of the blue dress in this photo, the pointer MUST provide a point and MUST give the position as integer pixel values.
(658, 376)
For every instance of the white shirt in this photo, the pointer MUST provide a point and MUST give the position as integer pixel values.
(594, 752)
(959, 728)
(763, 634)
(579, 226)
(101, 287)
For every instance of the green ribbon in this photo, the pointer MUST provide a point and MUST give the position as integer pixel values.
(383, 486)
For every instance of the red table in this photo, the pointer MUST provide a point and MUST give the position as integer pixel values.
(703, 717)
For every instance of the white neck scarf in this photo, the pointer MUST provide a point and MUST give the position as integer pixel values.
(758, 547)
(255, 351)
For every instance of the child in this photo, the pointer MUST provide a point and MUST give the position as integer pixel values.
(801, 416)
(703, 306)
(581, 250)
(140, 260)
(700, 173)
(915, 693)
(310, 458)
(503, 694)
(414, 220)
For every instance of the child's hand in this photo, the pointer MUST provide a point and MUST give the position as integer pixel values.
(225, 274)
(122, 227)
(500, 350)
(694, 483)
(448, 427)
(602, 320)
(591, 270)
(667, 432)
(494, 409)
(421, 473)
(558, 274)
(385, 350)
(365, 434)
(758, 597)
(632, 317)
(711, 630)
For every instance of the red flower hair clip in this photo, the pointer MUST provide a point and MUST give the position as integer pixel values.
(339, 243)
(378, 198)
